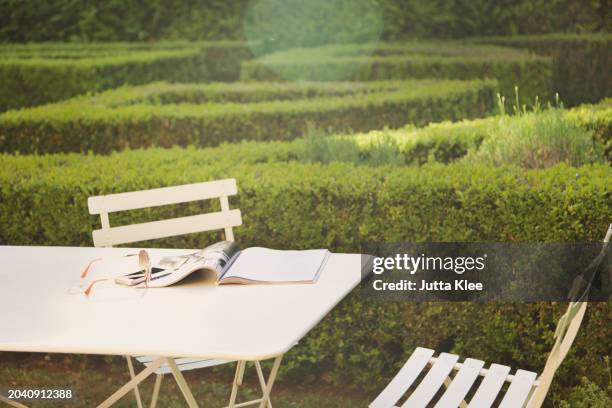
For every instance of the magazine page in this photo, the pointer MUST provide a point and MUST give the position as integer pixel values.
(211, 259)
(171, 269)
(266, 265)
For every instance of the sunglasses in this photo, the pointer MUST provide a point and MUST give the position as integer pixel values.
(144, 264)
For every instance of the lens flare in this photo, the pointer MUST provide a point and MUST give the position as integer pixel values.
(276, 25)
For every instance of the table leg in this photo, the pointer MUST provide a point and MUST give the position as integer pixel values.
(241, 373)
(158, 380)
(262, 380)
(12, 403)
(136, 391)
(237, 381)
(132, 383)
(180, 380)
(266, 395)
(266, 386)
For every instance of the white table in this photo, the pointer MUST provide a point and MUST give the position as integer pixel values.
(41, 311)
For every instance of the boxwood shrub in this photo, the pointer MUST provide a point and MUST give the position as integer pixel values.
(447, 142)
(510, 67)
(581, 63)
(444, 142)
(164, 114)
(340, 206)
(344, 204)
(34, 74)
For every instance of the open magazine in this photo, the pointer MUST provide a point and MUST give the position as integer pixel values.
(225, 263)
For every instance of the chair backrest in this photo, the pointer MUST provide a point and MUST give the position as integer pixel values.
(224, 219)
(565, 333)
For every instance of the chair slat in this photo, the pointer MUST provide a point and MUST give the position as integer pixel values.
(490, 386)
(432, 381)
(519, 389)
(461, 384)
(166, 228)
(178, 360)
(403, 379)
(183, 364)
(161, 196)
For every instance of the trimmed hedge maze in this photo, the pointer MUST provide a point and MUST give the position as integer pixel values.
(163, 114)
(581, 63)
(510, 67)
(34, 74)
(43, 201)
(445, 142)
(359, 191)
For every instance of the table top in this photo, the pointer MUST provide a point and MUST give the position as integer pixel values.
(42, 309)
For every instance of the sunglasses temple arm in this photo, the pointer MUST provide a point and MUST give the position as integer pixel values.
(87, 290)
(89, 265)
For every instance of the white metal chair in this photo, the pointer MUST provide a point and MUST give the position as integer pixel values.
(525, 388)
(225, 219)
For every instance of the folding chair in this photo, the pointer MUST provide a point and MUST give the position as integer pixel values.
(525, 388)
(224, 219)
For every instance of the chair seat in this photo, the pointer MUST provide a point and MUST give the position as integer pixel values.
(183, 364)
(436, 371)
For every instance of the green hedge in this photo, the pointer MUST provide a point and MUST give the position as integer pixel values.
(221, 59)
(447, 142)
(290, 205)
(581, 63)
(437, 142)
(152, 115)
(34, 74)
(598, 118)
(351, 204)
(454, 60)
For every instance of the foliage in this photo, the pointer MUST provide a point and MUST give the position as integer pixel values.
(165, 114)
(444, 142)
(464, 18)
(417, 59)
(455, 202)
(447, 142)
(598, 119)
(588, 395)
(34, 74)
(538, 139)
(131, 20)
(581, 63)
(318, 147)
(120, 20)
(282, 24)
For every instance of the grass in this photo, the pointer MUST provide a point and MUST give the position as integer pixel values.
(537, 140)
(524, 135)
(319, 147)
(93, 379)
